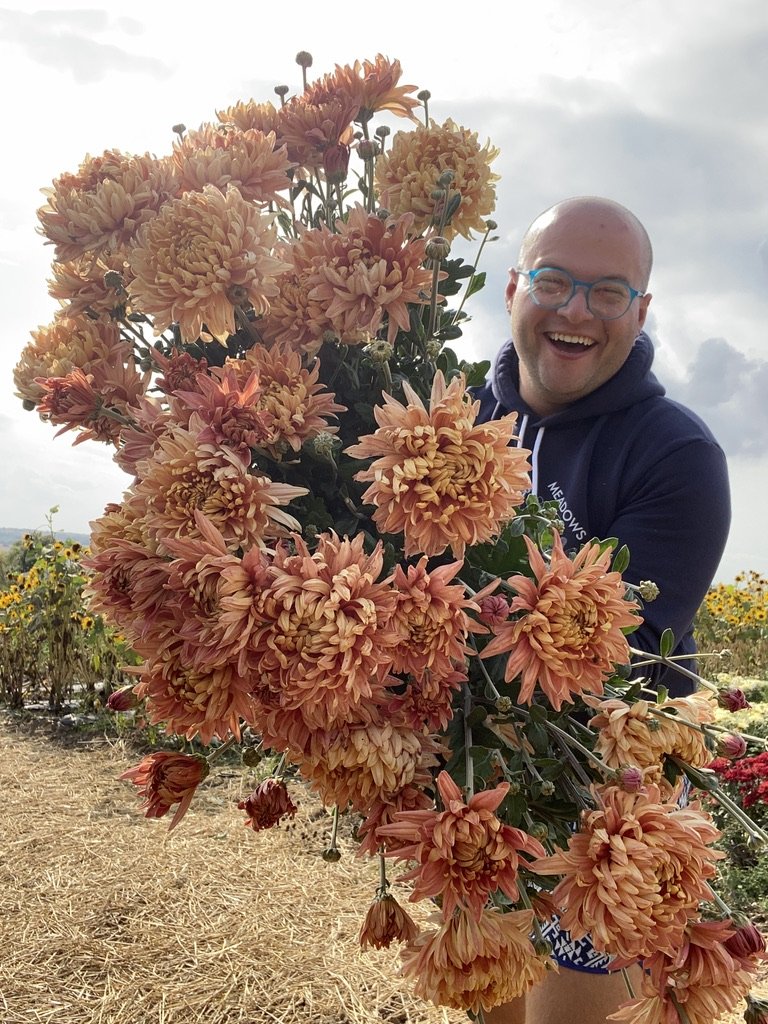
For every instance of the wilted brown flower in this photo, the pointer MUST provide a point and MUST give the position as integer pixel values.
(164, 779)
(407, 175)
(102, 205)
(386, 922)
(267, 805)
(192, 258)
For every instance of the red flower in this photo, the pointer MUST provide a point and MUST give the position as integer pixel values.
(749, 776)
(164, 779)
(267, 805)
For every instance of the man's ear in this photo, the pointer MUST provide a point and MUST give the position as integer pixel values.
(642, 312)
(512, 284)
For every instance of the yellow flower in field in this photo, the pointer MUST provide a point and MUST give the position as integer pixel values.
(200, 257)
(439, 477)
(408, 173)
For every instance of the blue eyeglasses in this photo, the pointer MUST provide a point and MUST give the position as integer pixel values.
(608, 299)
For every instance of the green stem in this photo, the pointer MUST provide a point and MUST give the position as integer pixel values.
(627, 982)
(433, 299)
(657, 659)
(472, 278)
(469, 767)
(215, 754)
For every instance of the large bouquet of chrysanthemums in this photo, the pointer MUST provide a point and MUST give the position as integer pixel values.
(322, 555)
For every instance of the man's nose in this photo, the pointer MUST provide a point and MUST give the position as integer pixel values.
(577, 308)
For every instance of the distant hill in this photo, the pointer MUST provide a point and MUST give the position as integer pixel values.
(9, 536)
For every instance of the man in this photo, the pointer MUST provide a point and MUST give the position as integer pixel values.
(621, 460)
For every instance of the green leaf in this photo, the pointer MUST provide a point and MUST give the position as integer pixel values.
(477, 716)
(666, 643)
(476, 284)
(476, 373)
(621, 559)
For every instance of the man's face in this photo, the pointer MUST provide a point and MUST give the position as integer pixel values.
(566, 353)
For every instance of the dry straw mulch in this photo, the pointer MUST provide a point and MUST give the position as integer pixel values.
(103, 918)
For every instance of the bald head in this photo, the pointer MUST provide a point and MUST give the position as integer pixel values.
(602, 221)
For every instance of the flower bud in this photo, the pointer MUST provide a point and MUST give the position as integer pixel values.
(268, 804)
(504, 705)
(382, 213)
(332, 855)
(732, 746)
(732, 698)
(123, 699)
(179, 129)
(491, 225)
(424, 95)
(539, 831)
(745, 942)
(437, 248)
(336, 163)
(382, 131)
(251, 757)
(304, 59)
(445, 179)
(494, 610)
(379, 351)
(368, 149)
(630, 778)
(114, 279)
(324, 444)
(542, 947)
(547, 788)
(433, 348)
(281, 90)
(647, 590)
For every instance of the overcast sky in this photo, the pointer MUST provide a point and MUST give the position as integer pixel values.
(660, 105)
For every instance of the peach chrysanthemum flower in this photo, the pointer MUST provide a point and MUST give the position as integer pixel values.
(427, 701)
(201, 256)
(102, 205)
(359, 764)
(164, 779)
(223, 155)
(407, 175)
(634, 873)
(326, 644)
(228, 410)
(63, 345)
(95, 404)
(438, 476)
(463, 853)
(194, 703)
(92, 285)
(703, 977)
(298, 405)
(127, 581)
(386, 922)
(310, 129)
(371, 86)
(267, 805)
(184, 475)
(570, 634)
(474, 965)
(248, 114)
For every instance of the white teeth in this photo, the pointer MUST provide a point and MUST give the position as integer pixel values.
(573, 339)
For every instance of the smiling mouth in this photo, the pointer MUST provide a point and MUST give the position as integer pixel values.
(570, 342)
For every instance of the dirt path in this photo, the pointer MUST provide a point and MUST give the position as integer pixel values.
(104, 920)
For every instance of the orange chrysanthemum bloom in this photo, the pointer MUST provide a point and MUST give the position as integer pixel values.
(570, 634)
(92, 285)
(431, 618)
(634, 873)
(201, 256)
(228, 410)
(184, 475)
(248, 114)
(439, 477)
(703, 977)
(165, 779)
(327, 643)
(636, 734)
(298, 405)
(267, 805)
(386, 922)
(370, 86)
(95, 404)
(194, 703)
(406, 176)
(65, 344)
(102, 205)
(223, 155)
(309, 129)
(357, 765)
(475, 965)
(463, 853)
(150, 419)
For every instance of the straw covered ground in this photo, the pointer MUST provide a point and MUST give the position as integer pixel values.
(103, 918)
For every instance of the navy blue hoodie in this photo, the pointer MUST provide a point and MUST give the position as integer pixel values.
(627, 462)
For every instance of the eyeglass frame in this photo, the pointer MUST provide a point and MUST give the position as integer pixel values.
(586, 285)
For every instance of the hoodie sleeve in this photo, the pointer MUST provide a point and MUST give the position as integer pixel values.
(675, 521)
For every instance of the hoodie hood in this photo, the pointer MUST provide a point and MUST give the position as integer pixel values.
(632, 383)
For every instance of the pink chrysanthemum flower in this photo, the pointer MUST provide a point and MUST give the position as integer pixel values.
(327, 642)
(223, 155)
(370, 86)
(703, 977)
(199, 258)
(569, 635)
(62, 346)
(164, 779)
(407, 175)
(298, 405)
(95, 404)
(427, 702)
(103, 205)
(190, 702)
(229, 411)
(634, 873)
(438, 476)
(184, 475)
(386, 922)
(310, 129)
(267, 805)
(474, 965)
(463, 853)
